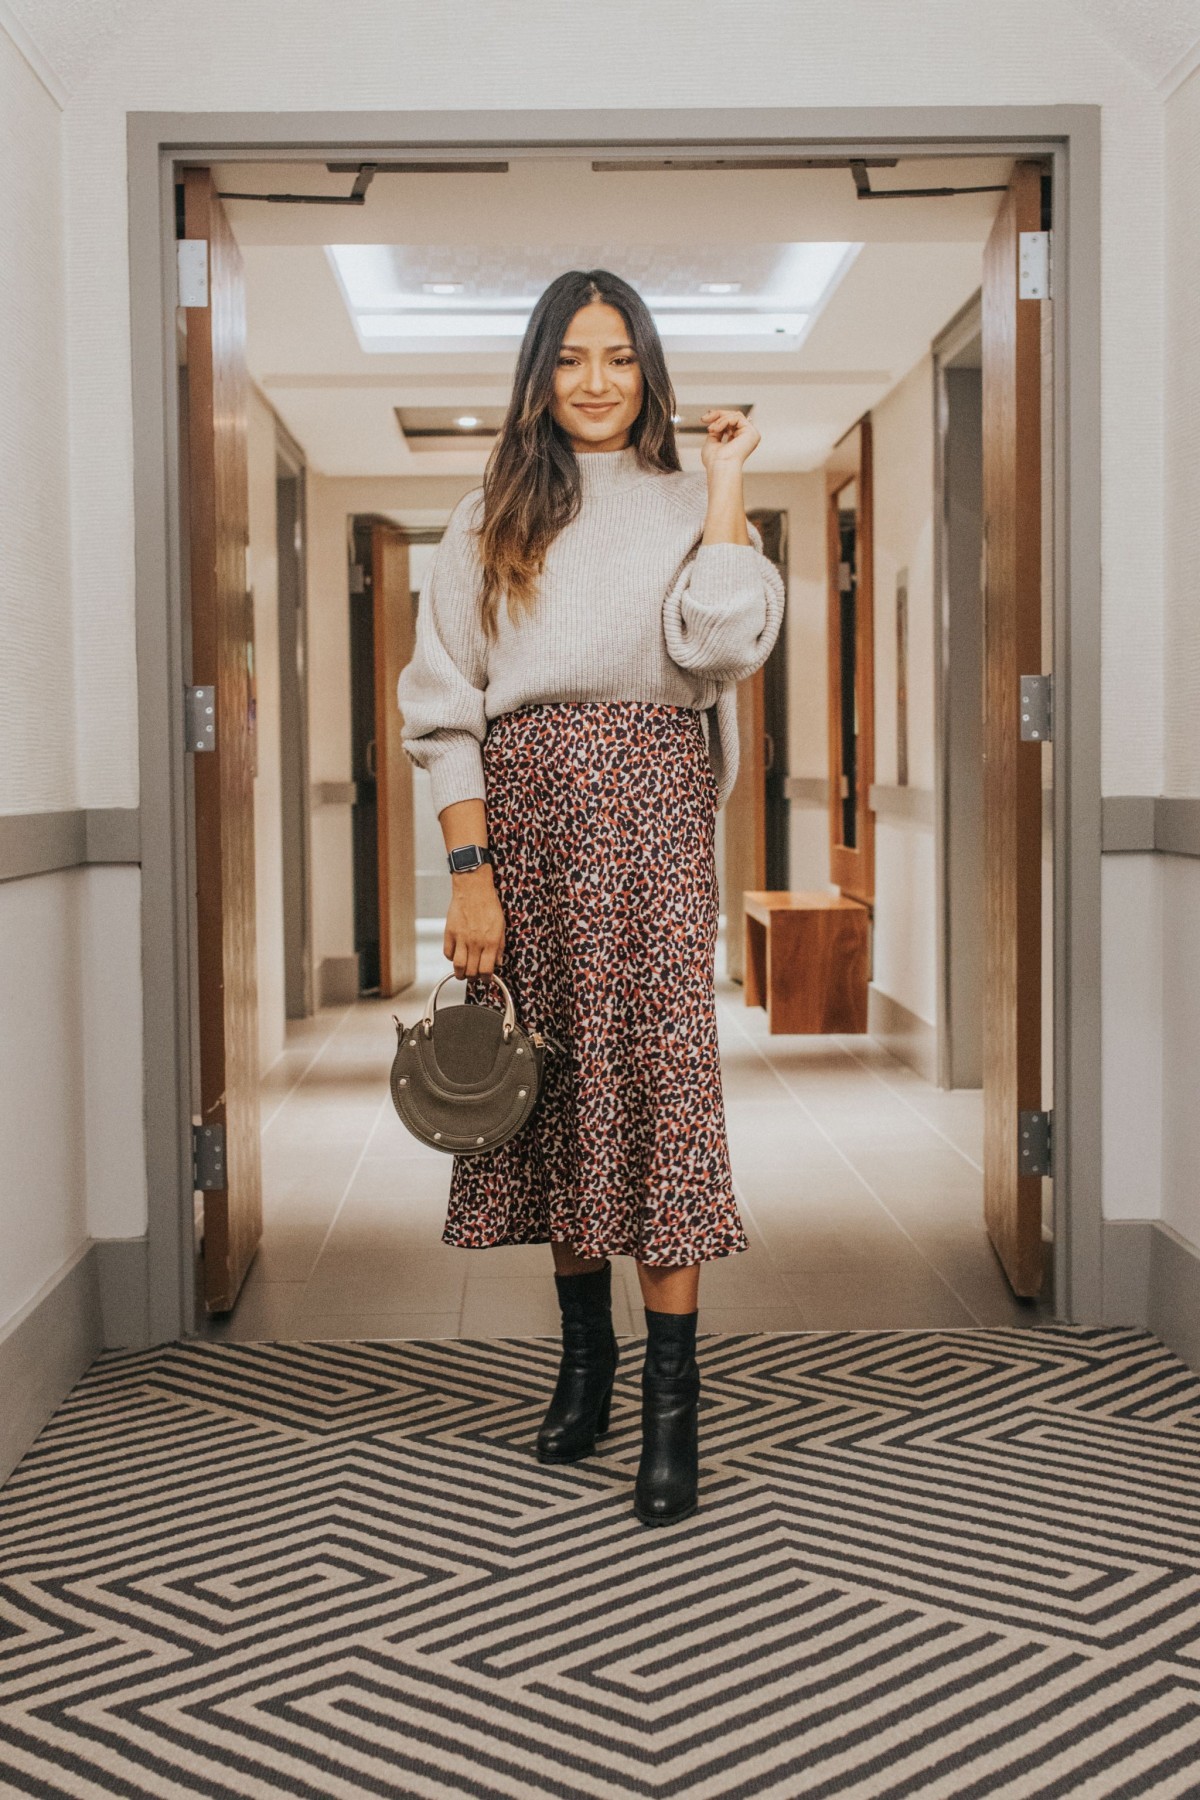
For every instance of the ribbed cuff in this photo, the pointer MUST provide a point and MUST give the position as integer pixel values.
(727, 562)
(457, 774)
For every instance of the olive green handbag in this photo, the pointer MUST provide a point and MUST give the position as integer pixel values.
(466, 1079)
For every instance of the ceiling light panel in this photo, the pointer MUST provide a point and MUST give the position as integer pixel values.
(405, 298)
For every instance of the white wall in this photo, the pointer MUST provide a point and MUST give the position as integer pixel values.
(1179, 876)
(433, 877)
(1131, 901)
(37, 688)
(43, 1168)
(71, 1129)
(1181, 772)
(43, 1209)
(802, 497)
(905, 879)
(268, 818)
(903, 492)
(905, 937)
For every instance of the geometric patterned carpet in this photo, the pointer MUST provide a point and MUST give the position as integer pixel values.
(948, 1564)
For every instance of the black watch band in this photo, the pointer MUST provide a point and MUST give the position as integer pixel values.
(469, 856)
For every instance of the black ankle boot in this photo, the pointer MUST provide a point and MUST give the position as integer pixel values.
(669, 1473)
(578, 1413)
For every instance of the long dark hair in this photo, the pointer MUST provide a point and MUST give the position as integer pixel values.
(531, 485)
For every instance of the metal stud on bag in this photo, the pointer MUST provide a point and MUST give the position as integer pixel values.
(462, 1089)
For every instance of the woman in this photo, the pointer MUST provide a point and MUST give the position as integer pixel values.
(583, 624)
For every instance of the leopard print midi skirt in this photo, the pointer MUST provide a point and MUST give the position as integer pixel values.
(601, 816)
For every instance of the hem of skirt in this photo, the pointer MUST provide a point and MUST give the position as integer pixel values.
(597, 1250)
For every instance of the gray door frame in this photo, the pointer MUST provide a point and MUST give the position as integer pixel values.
(1068, 135)
(295, 781)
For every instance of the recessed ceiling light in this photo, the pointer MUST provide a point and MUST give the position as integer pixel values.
(416, 326)
(396, 311)
(676, 418)
(467, 422)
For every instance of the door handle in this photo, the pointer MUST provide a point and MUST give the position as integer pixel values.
(768, 752)
(370, 759)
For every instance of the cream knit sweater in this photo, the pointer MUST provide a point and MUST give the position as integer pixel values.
(631, 606)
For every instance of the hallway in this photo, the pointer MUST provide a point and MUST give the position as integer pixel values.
(860, 1187)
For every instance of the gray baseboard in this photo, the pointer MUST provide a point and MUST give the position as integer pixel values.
(1147, 823)
(99, 1299)
(123, 1283)
(1174, 1311)
(1152, 1278)
(44, 1351)
(41, 843)
(910, 1039)
(807, 790)
(113, 834)
(1127, 1271)
(433, 893)
(337, 981)
(335, 793)
(909, 805)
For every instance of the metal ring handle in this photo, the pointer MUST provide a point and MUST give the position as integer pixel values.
(510, 1011)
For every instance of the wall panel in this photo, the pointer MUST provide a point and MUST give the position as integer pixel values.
(43, 1208)
(37, 700)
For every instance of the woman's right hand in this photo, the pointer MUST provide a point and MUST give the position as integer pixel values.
(474, 940)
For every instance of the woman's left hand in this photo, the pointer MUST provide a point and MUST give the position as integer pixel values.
(731, 438)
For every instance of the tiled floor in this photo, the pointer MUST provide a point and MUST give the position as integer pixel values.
(859, 1184)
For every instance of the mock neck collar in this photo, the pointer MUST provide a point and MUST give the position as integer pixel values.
(604, 471)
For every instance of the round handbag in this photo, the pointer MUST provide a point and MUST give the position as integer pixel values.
(466, 1079)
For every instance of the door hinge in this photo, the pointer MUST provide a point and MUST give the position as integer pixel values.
(191, 268)
(1034, 1143)
(1034, 274)
(208, 1157)
(200, 717)
(1037, 709)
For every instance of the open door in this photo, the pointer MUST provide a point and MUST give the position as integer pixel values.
(745, 831)
(850, 639)
(217, 502)
(395, 642)
(1012, 778)
(757, 813)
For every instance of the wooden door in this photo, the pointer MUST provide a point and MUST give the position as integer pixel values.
(745, 826)
(395, 639)
(1012, 786)
(222, 658)
(851, 661)
(755, 829)
(773, 528)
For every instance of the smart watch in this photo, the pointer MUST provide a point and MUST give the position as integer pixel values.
(469, 856)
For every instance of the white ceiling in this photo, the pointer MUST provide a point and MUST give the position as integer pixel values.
(920, 262)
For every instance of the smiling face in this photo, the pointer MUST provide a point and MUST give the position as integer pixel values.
(597, 381)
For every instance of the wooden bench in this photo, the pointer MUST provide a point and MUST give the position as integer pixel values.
(807, 961)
